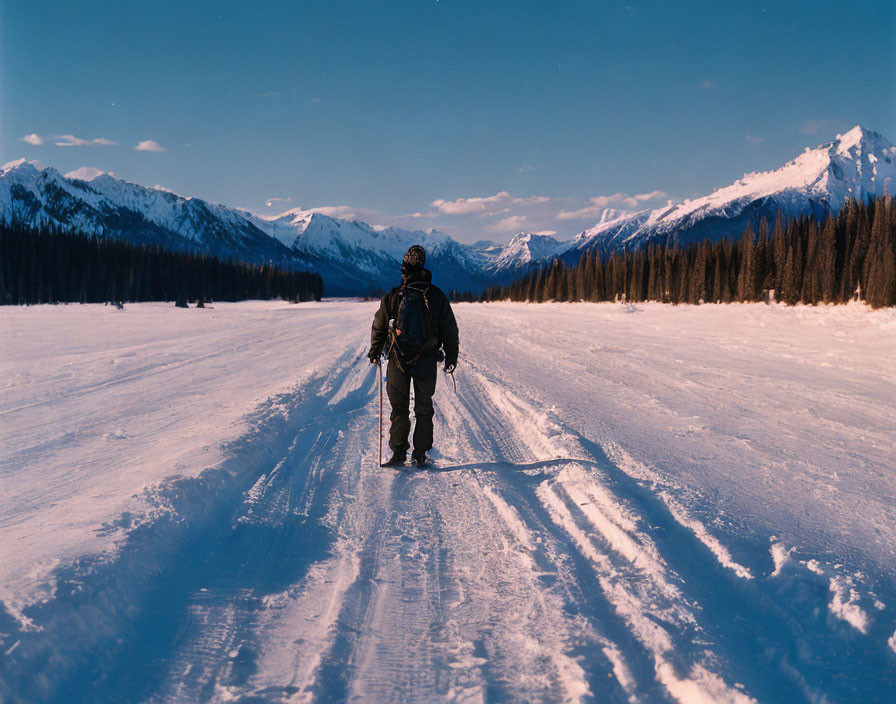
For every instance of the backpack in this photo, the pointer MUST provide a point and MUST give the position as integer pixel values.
(412, 321)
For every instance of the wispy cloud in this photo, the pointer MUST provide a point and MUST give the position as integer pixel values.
(819, 126)
(315, 99)
(149, 145)
(640, 198)
(502, 214)
(525, 168)
(33, 139)
(597, 204)
(70, 140)
(268, 94)
(348, 212)
(510, 224)
(753, 139)
(467, 206)
(707, 85)
(270, 202)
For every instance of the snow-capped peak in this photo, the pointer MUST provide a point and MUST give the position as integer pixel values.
(21, 165)
(857, 164)
(9, 165)
(86, 173)
(525, 248)
(862, 138)
(611, 214)
(291, 215)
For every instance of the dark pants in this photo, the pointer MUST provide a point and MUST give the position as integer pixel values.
(398, 387)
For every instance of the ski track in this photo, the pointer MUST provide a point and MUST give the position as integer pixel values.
(530, 564)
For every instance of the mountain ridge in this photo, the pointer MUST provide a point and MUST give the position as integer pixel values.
(355, 257)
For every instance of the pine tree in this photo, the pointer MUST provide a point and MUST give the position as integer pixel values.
(746, 279)
(826, 268)
(881, 287)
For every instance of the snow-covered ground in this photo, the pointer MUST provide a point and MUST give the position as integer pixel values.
(630, 503)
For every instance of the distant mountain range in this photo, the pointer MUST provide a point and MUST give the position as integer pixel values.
(354, 257)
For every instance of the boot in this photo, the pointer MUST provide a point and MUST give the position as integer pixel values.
(420, 460)
(399, 457)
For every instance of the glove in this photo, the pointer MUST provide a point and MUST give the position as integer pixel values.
(374, 356)
(450, 365)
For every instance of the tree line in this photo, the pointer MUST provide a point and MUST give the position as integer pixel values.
(849, 256)
(49, 265)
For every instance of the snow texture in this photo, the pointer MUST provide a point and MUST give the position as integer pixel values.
(629, 504)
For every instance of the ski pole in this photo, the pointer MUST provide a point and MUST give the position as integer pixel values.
(379, 381)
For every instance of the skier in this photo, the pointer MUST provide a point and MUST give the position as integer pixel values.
(413, 322)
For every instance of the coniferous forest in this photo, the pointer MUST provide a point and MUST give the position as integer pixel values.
(53, 266)
(850, 256)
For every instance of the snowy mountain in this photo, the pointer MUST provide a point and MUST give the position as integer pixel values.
(354, 257)
(97, 203)
(857, 164)
(526, 249)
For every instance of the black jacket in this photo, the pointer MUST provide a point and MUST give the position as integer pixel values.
(443, 326)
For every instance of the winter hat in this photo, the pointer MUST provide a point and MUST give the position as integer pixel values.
(414, 258)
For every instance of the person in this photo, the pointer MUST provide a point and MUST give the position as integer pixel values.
(414, 324)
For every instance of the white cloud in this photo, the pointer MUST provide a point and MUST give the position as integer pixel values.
(639, 198)
(271, 201)
(707, 85)
(502, 214)
(70, 140)
(598, 204)
(314, 100)
(347, 212)
(652, 195)
(753, 139)
(589, 211)
(467, 206)
(512, 223)
(149, 145)
(33, 139)
(525, 168)
(532, 200)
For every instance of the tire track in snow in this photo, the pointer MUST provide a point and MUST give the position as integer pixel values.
(631, 573)
(279, 537)
(527, 566)
(160, 619)
(740, 619)
(449, 604)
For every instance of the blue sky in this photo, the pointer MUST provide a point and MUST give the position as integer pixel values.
(479, 118)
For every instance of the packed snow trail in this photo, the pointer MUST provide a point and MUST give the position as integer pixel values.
(539, 560)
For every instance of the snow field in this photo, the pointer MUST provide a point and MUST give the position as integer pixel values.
(582, 537)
